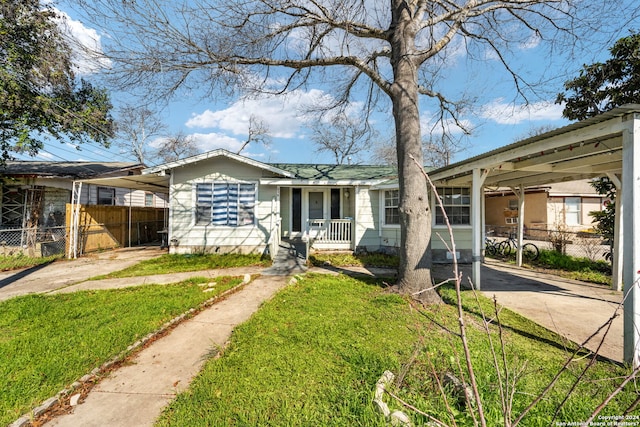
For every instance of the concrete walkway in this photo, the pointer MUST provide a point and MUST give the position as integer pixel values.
(135, 394)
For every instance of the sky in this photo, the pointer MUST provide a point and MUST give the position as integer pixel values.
(497, 120)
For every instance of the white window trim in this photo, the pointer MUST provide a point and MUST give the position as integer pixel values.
(383, 215)
(194, 198)
(435, 205)
(112, 190)
(153, 199)
(578, 211)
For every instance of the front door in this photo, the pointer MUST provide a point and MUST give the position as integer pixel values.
(316, 205)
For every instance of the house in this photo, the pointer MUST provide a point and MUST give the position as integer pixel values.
(36, 192)
(559, 205)
(225, 202)
(221, 201)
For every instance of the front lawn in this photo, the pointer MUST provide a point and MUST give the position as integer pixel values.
(173, 263)
(48, 342)
(349, 259)
(313, 354)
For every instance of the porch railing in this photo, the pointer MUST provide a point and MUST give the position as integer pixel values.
(330, 230)
(274, 237)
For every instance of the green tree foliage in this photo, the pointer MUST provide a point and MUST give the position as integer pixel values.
(605, 85)
(604, 220)
(600, 87)
(39, 93)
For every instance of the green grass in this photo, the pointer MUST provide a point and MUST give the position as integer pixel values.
(578, 268)
(171, 263)
(348, 259)
(14, 262)
(48, 342)
(312, 356)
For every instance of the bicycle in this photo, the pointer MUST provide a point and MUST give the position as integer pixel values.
(491, 246)
(530, 251)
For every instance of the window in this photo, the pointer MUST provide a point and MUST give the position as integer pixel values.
(221, 203)
(511, 220)
(457, 205)
(572, 210)
(148, 199)
(391, 200)
(106, 196)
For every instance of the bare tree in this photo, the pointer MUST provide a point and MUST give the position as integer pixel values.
(343, 136)
(534, 131)
(258, 132)
(136, 127)
(362, 49)
(178, 146)
(439, 151)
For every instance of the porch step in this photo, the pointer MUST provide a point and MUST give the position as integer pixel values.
(290, 259)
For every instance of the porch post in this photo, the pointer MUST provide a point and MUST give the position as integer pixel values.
(476, 225)
(631, 245)
(618, 233)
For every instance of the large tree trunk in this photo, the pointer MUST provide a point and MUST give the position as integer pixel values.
(414, 273)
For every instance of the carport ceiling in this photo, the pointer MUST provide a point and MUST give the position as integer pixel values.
(588, 149)
(153, 182)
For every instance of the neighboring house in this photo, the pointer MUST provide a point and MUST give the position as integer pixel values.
(36, 192)
(564, 205)
(224, 202)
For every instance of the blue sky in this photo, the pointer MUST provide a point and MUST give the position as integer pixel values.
(498, 118)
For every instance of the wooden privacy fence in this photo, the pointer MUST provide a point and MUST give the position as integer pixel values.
(107, 227)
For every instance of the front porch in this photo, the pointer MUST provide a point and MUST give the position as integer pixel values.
(321, 216)
(330, 233)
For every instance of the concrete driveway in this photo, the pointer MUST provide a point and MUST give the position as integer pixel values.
(64, 272)
(568, 307)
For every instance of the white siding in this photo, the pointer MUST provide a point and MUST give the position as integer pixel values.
(208, 238)
(367, 218)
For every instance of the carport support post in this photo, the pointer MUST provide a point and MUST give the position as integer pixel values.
(631, 245)
(476, 225)
(519, 192)
(618, 238)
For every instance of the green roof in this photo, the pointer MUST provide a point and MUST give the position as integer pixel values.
(337, 172)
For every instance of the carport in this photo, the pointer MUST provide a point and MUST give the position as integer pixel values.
(154, 183)
(605, 145)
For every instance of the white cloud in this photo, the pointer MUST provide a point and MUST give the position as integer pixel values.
(531, 43)
(214, 140)
(86, 44)
(283, 114)
(207, 142)
(504, 113)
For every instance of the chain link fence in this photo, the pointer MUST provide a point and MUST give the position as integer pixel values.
(581, 244)
(33, 242)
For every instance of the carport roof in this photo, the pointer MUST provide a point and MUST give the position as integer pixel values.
(155, 183)
(71, 170)
(587, 149)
